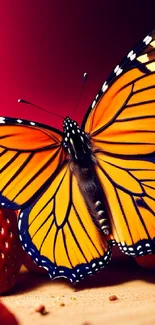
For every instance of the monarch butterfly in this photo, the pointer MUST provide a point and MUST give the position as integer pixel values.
(84, 189)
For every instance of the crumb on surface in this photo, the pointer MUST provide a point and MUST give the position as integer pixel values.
(40, 308)
(73, 298)
(113, 298)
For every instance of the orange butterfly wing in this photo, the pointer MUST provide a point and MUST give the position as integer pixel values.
(29, 155)
(121, 123)
(129, 187)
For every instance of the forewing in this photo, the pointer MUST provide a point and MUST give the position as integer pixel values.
(122, 118)
(30, 153)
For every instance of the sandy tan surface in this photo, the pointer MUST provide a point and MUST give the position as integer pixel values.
(88, 303)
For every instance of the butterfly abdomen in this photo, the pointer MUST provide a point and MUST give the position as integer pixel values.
(92, 194)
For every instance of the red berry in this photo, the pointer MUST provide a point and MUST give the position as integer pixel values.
(31, 266)
(148, 261)
(11, 252)
(6, 317)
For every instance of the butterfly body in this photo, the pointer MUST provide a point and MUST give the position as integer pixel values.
(82, 161)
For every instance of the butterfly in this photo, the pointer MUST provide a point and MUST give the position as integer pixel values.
(85, 189)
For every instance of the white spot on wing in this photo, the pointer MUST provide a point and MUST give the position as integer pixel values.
(89, 272)
(131, 55)
(122, 243)
(2, 119)
(147, 39)
(104, 87)
(73, 275)
(118, 70)
(19, 223)
(93, 103)
(19, 121)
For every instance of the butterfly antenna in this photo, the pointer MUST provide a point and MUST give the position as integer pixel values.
(81, 93)
(43, 109)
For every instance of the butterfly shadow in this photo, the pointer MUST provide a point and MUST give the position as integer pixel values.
(122, 269)
(28, 281)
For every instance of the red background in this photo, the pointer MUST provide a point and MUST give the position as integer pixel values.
(47, 45)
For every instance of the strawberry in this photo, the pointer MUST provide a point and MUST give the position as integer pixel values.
(6, 317)
(11, 252)
(147, 262)
(31, 266)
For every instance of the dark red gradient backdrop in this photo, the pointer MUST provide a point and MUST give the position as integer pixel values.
(46, 46)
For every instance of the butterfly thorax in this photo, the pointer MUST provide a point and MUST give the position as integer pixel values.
(76, 142)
